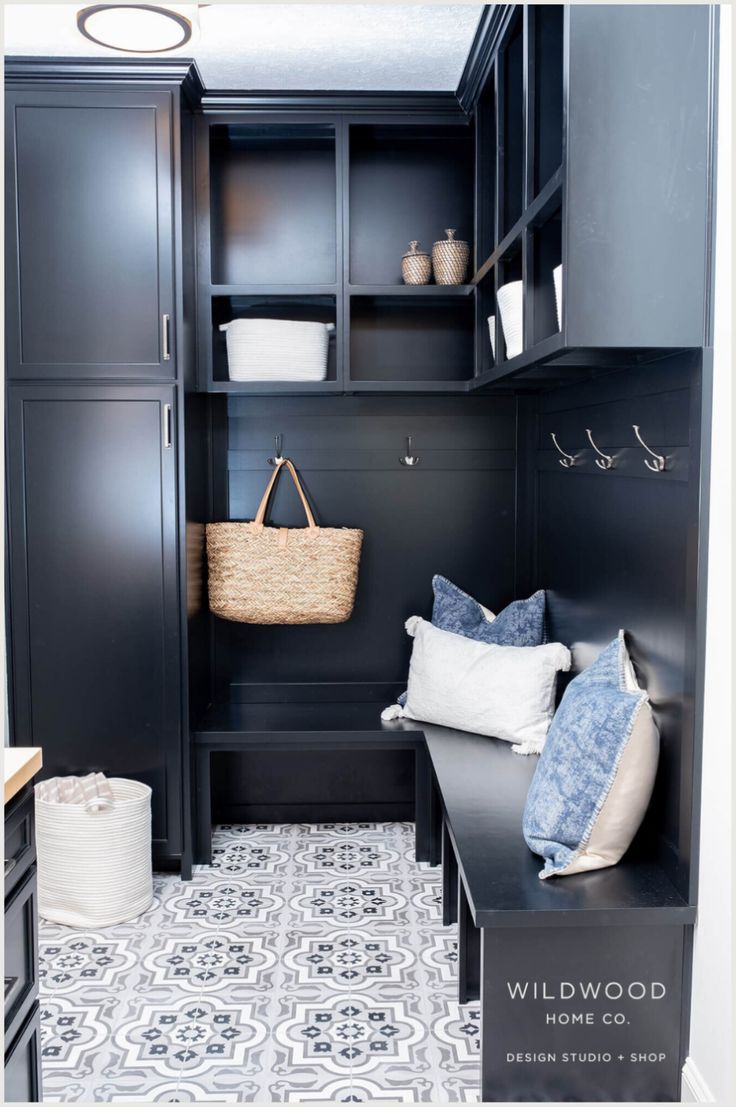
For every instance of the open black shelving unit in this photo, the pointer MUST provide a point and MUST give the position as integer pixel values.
(521, 190)
(308, 217)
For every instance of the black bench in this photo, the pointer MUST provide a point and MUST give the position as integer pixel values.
(249, 727)
(519, 938)
(529, 950)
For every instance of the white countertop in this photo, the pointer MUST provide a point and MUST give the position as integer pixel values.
(20, 763)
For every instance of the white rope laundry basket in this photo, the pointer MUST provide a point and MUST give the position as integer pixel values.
(94, 867)
(277, 349)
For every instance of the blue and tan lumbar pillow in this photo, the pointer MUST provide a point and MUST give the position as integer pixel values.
(596, 773)
(519, 624)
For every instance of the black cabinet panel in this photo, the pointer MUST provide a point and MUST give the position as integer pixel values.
(20, 941)
(23, 1063)
(90, 234)
(20, 846)
(94, 590)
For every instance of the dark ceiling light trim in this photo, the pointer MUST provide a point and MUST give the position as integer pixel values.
(84, 14)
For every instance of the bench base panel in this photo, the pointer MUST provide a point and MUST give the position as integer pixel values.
(582, 1014)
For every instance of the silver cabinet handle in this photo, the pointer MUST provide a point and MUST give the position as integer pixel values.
(167, 426)
(165, 322)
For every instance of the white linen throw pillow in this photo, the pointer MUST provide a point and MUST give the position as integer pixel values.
(504, 692)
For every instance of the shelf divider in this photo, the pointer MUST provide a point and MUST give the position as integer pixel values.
(533, 214)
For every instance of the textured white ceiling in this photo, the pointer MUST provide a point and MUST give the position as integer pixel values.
(376, 47)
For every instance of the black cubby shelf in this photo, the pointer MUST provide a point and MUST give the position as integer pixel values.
(405, 181)
(553, 361)
(261, 290)
(272, 202)
(548, 199)
(418, 290)
(318, 304)
(416, 343)
(536, 356)
(275, 388)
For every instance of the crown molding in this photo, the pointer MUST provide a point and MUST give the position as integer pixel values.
(436, 103)
(165, 71)
(492, 26)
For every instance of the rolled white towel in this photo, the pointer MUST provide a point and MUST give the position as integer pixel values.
(93, 792)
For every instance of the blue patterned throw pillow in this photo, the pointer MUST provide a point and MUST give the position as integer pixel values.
(596, 772)
(519, 624)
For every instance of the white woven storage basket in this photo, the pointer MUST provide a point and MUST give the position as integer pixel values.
(510, 304)
(277, 349)
(492, 332)
(94, 868)
(557, 278)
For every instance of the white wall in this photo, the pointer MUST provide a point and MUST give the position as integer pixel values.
(708, 1072)
(3, 679)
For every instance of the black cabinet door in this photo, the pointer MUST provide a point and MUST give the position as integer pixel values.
(22, 1081)
(94, 611)
(89, 233)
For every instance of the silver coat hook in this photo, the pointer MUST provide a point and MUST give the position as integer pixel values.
(277, 458)
(409, 458)
(660, 463)
(567, 460)
(603, 461)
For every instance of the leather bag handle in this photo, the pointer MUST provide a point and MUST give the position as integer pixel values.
(263, 506)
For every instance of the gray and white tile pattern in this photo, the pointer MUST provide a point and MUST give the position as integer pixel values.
(308, 964)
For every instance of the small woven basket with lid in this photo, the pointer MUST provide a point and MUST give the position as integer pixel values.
(450, 259)
(416, 265)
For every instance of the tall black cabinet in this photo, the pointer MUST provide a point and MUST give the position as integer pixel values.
(94, 319)
(93, 562)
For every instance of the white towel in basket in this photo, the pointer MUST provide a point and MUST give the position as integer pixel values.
(93, 792)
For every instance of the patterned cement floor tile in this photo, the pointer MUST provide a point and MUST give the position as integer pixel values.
(347, 857)
(405, 1088)
(347, 901)
(347, 961)
(363, 831)
(308, 964)
(208, 903)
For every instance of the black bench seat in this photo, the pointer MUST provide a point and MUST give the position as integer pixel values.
(250, 727)
(483, 787)
(528, 949)
(291, 721)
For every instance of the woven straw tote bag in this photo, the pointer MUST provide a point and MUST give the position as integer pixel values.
(273, 575)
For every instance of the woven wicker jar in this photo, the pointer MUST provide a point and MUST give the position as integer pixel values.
(416, 265)
(450, 260)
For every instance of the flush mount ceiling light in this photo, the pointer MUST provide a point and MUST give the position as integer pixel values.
(135, 28)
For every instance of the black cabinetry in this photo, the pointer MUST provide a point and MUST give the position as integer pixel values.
(94, 587)
(306, 216)
(89, 225)
(602, 172)
(21, 1011)
(99, 324)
